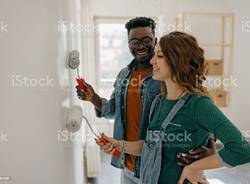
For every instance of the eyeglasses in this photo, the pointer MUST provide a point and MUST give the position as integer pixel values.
(135, 42)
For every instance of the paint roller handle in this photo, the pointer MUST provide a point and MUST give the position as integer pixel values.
(81, 83)
(116, 153)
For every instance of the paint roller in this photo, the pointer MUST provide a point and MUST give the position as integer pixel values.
(75, 113)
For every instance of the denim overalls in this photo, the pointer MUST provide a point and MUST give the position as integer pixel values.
(152, 150)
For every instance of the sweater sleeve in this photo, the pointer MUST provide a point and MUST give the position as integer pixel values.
(236, 150)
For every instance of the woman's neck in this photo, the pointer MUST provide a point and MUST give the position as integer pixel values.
(174, 91)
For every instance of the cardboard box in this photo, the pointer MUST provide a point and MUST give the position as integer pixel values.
(220, 97)
(214, 67)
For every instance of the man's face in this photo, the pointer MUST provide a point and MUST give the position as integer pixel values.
(141, 42)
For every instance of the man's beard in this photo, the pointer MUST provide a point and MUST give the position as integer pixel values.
(149, 53)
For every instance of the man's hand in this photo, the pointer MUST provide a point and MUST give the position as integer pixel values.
(184, 159)
(87, 94)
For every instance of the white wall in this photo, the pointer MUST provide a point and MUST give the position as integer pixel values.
(126, 8)
(32, 116)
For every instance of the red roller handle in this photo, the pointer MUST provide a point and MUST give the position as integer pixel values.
(116, 153)
(81, 83)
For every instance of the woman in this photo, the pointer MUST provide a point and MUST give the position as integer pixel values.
(182, 118)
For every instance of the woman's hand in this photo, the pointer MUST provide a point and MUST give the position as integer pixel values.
(192, 175)
(111, 146)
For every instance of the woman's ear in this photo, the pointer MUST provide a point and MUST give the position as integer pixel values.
(156, 40)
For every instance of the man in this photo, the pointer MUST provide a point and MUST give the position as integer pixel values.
(134, 91)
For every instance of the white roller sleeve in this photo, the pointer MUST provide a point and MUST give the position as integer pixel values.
(74, 119)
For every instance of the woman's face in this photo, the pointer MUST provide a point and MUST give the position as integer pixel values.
(161, 70)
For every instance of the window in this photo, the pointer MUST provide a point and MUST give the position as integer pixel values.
(112, 52)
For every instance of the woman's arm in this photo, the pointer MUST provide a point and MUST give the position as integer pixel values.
(132, 148)
(193, 172)
(235, 151)
(210, 162)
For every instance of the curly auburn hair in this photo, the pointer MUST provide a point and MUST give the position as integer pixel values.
(186, 61)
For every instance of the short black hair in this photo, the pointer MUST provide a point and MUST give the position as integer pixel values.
(141, 22)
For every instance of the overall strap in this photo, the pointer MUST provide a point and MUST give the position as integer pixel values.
(152, 107)
(174, 111)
